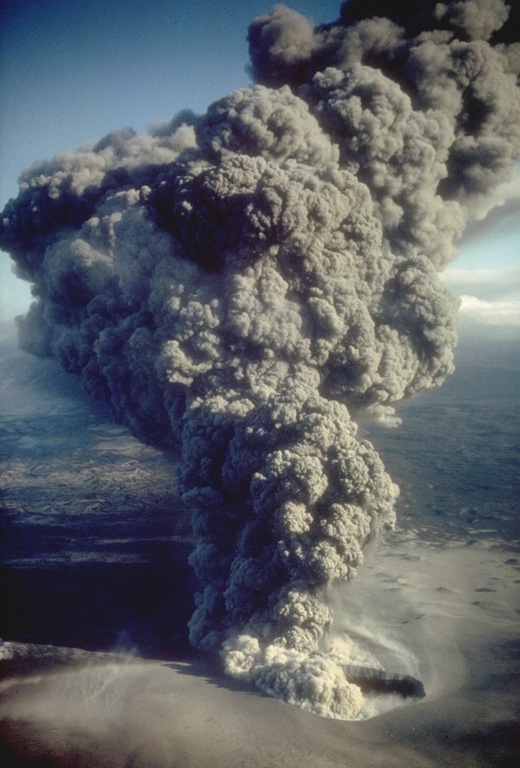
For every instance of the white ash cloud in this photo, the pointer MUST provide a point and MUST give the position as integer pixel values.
(242, 285)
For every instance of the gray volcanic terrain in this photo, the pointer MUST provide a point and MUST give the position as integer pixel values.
(456, 454)
(94, 540)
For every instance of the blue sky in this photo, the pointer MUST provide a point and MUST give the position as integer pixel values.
(72, 72)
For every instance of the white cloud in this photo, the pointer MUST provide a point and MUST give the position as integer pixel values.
(490, 296)
(490, 312)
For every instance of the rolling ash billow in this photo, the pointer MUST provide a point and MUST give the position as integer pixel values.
(245, 284)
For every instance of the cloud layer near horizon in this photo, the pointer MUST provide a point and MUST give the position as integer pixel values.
(489, 296)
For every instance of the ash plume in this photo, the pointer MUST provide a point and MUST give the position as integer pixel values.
(244, 284)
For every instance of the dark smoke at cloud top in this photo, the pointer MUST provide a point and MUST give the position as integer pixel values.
(242, 285)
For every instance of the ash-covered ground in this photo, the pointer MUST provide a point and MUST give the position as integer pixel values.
(94, 541)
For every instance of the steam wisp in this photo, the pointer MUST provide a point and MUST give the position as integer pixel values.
(245, 283)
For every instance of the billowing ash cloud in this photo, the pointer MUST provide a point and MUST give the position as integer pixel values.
(244, 283)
